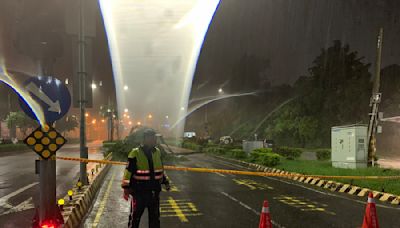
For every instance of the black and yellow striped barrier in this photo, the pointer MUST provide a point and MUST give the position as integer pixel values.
(238, 172)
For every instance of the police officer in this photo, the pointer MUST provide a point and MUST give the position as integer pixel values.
(142, 181)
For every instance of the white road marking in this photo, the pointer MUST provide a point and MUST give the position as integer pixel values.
(308, 188)
(25, 205)
(220, 174)
(249, 208)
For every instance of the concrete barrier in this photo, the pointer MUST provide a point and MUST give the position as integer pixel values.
(75, 210)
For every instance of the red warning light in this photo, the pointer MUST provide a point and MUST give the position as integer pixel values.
(50, 225)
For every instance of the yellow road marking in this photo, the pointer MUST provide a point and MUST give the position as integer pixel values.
(103, 203)
(304, 204)
(253, 185)
(177, 210)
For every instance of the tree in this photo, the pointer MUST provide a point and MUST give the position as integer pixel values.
(336, 92)
(19, 119)
(67, 124)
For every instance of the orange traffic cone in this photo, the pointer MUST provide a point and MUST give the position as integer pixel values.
(370, 217)
(265, 217)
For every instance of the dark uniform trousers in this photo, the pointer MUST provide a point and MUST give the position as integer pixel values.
(141, 201)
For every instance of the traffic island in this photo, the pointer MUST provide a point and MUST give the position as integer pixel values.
(326, 184)
(79, 203)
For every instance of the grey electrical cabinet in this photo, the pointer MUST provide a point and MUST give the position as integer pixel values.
(349, 146)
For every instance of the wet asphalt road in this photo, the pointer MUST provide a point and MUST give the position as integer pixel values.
(216, 200)
(19, 185)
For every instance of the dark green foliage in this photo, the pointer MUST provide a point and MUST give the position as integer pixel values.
(191, 146)
(323, 154)
(237, 153)
(13, 147)
(336, 92)
(288, 152)
(262, 150)
(268, 159)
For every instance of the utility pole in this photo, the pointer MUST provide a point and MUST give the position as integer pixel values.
(82, 92)
(374, 102)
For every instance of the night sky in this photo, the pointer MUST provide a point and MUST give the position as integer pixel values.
(285, 34)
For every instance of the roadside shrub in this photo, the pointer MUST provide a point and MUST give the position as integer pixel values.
(323, 154)
(268, 159)
(288, 152)
(238, 153)
(215, 150)
(191, 146)
(13, 147)
(120, 150)
(263, 150)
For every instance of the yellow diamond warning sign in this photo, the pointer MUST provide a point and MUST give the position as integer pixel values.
(45, 141)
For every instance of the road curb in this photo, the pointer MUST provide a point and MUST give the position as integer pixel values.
(327, 184)
(74, 211)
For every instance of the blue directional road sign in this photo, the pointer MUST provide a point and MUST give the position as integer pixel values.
(51, 94)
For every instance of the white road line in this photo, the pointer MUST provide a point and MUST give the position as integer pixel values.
(220, 174)
(249, 208)
(4, 199)
(308, 188)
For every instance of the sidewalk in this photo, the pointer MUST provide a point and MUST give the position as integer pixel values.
(389, 163)
(110, 209)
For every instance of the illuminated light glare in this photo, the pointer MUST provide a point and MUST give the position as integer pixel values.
(220, 90)
(61, 202)
(139, 123)
(126, 110)
(150, 116)
(102, 120)
(35, 107)
(166, 117)
(169, 29)
(130, 123)
(128, 116)
(94, 86)
(86, 114)
(94, 121)
(66, 81)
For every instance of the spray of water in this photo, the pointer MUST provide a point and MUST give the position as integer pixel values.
(196, 107)
(270, 114)
(154, 47)
(36, 108)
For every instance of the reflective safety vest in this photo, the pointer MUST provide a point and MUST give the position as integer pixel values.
(142, 173)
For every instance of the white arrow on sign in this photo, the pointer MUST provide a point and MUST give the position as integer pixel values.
(53, 106)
